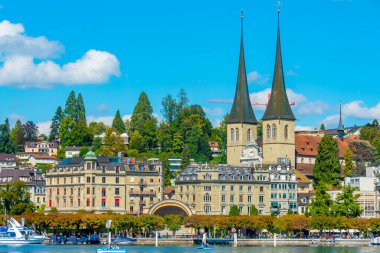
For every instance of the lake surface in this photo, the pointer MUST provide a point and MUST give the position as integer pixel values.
(182, 249)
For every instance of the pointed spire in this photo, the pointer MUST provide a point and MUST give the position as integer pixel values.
(242, 111)
(278, 106)
(340, 126)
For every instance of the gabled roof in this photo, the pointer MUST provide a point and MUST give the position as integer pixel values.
(242, 111)
(278, 106)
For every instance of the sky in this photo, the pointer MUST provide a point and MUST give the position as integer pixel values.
(111, 51)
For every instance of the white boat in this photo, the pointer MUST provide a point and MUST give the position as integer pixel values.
(110, 248)
(375, 241)
(15, 233)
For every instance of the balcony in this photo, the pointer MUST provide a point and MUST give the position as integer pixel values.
(142, 193)
(142, 183)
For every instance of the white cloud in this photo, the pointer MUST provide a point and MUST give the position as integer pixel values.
(214, 111)
(358, 109)
(102, 108)
(127, 117)
(44, 127)
(25, 62)
(256, 77)
(107, 120)
(331, 121)
(304, 128)
(14, 41)
(291, 73)
(315, 107)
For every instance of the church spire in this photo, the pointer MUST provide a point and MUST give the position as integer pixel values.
(278, 106)
(340, 129)
(242, 111)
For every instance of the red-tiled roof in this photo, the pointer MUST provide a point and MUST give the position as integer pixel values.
(305, 168)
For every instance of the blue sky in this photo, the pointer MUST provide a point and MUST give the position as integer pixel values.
(110, 51)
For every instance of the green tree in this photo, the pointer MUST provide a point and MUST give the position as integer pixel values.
(169, 109)
(136, 141)
(6, 143)
(327, 167)
(346, 203)
(80, 110)
(363, 155)
(322, 204)
(164, 158)
(55, 123)
(71, 106)
(322, 127)
(30, 130)
(97, 128)
(177, 143)
(112, 143)
(234, 211)
(118, 123)
(61, 154)
(18, 135)
(80, 134)
(15, 198)
(83, 151)
(96, 144)
(348, 162)
(254, 211)
(185, 158)
(53, 210)
(174, 222)
(65, 132)
(41, 209)
(143, 120)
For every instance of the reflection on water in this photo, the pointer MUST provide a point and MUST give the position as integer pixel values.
(141, 249)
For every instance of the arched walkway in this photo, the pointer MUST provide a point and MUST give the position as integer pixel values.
(170, 206)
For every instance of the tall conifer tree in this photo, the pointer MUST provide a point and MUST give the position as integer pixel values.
(18, 135)
(118, 123)
(80, 110)
(55, 123)
(71, 106)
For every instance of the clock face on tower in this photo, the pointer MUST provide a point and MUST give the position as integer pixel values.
(251, 155)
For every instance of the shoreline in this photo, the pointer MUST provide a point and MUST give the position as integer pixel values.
(260, 242)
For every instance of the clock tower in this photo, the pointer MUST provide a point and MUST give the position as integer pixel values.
(242, 123)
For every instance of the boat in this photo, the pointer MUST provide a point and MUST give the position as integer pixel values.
(123, 240)
(15, 233)
(110, 248)
(205, 245)
(375, 240)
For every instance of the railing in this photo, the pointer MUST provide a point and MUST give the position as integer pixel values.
(138, 193)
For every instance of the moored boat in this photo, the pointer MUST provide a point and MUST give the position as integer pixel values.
(15, 233)
(375, 241)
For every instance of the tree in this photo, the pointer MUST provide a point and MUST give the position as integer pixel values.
(83, 151)
(183, 100)
(61, 153)
(327, 167)
(65, 132)
(375, 123)
(41, 209)
(6, 143)
(169, 109)
(97, 128)
(80, 110)
(53, 210)
(320, 205)
(143, 120)
(81, 136)
(322, 127)
(97, 143)
(15, 198)
(112, 143)
(174, 222)
(164, 158)
(254, 211)
(346, 203)
(118, 123)
(185, 158)
(18, 135)
(234, 211)
(364, 155)
(55, 123)
(136, 141)
(31, 131)
(348, 162)
(71, 106)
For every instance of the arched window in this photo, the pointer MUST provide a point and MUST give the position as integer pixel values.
(274, 131)
(237, 134)
(249, 135)
(286, 132)
(232, 134)
(268, 131)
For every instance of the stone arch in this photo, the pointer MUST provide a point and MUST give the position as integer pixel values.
(170, 206)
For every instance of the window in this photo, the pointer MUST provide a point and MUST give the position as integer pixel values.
(103, 192)
(286, 132)
(64, 180)
(231, 188)
(193, 198)
(249, 199)
(72, 191)
(88, 190)
(71, 202)
(78, 192)
(232, 198)
(223, 188)
(261, 188)
(268, 131)
(93, 202)
(240, 209)
(261, 199)
(64, 191)
(240, 198)
(240, 188)
(273, 195)
(117, 170)
(78, 202)
(88, 180)
(131, 209)
(93, 180)
(206, 188)
(103, 180)
(249, 135)
(223, 198)
(117, 180)
(88, 202)
(117, 202)
(49, 202)
(237, 134)
(223, 209)
(93, 190)
(103, 202)
(232, 134)
(207, 198)
(71, 180)
(64, 202)
(151, 179)
(284, 195)
(249, 188)
(207, 209)
(57, 180)
(274, 131)
(117, 191)
(57, 191)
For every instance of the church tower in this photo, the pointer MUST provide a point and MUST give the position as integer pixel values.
(242, 123)
(340, 129)
(278, 119)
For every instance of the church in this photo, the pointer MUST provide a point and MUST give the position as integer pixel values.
(278, 121)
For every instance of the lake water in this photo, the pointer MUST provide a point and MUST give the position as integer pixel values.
(181, 249)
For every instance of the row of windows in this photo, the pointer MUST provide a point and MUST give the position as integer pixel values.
(88, 203)
(283, 186)
(232, 188)
(282, 196)
(241, 198)
(235, 134)
(271, 132)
